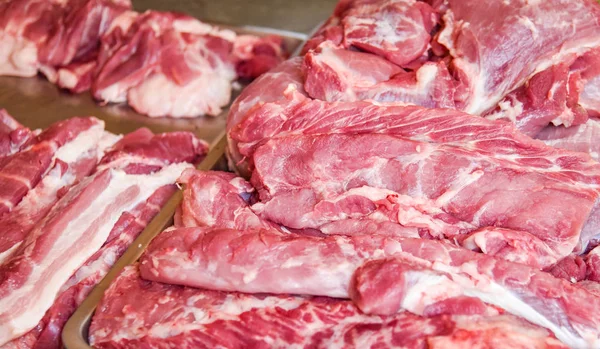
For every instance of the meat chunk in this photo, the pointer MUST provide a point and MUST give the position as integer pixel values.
(281, 321)
(258, 261)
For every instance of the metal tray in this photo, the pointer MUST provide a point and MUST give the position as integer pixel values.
(37, 103)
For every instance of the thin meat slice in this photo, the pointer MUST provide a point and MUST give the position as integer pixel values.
(139, 152)
(334, 74)
(13, 135)
(281, 321)
(254, 56)
(444, 189)
(62, 141)
(257, 261)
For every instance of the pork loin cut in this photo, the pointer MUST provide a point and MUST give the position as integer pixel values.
(257, 261)
(175, 316)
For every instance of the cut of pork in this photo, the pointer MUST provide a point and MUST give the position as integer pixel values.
(258, 261)
(168, 64)
(495, 53)
(398, 30)
(334, 74)
(53, 35)
(13, 135)
(47, 333)
(138, 153)
(174, 316)
(62, 141)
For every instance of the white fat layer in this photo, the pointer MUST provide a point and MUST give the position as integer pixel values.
(497, 295)
(35, 300)
(84, 142)
(4, 255)
(509, 109)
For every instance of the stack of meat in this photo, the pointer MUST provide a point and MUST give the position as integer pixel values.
(161, 63)
(372, 218)
(72, 199)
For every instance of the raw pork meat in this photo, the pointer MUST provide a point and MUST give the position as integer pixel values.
(167, 64)
(33, 275)
(173, 316)
(13, 135)
(257, 261)
(137, 153)
(497, 46)
(62, 141)
(53, 36)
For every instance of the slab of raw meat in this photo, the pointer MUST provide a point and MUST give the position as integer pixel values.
(174, 316)
(13, 135)
(47, 333)
(61, 141)
(53, 35)
(257, 261)
(15, 226)
(583, 138)
(444, 189)
(76, 227)
(495, 53)
(335, 74)
(139, 152)
(167, 64)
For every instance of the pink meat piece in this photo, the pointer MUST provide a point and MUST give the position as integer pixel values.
(13, 135)
(282, 321)
(571, 268)
(592, 260)
(142, 152)
(49, 35)
(15, 226)
(494, 54)
(86, 213)
(258, 261)
(588, 67)
(254, 56)
(307, 181)
(200, 206)
(550, 96)
(133, 154)
(397, 30)
(335, 74)
(165, 64)
(583, 138)
(22, 171)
